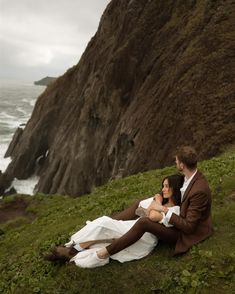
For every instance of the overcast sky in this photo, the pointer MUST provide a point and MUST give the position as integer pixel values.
(45, 37)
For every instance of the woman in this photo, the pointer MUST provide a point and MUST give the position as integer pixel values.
(170, 197)
(105, 230)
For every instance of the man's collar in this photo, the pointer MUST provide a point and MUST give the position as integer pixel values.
(190, 178)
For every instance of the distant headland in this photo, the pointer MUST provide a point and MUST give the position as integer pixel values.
(45, 81)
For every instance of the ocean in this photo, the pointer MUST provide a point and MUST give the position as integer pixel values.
(17, 100)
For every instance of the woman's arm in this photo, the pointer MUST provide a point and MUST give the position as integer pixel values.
(155, 215)
(156, 208)
(158, 198)
(153, 211)
(157, 201)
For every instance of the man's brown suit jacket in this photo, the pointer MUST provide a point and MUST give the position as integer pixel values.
(194, 221)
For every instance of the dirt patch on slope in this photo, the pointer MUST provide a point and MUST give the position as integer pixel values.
(14, 209)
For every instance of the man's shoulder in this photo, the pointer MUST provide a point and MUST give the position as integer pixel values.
(199, 176)
(200, 182)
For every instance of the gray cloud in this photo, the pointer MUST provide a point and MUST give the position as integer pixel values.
(39, 38)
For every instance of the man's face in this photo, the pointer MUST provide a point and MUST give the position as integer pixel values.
(179, 164)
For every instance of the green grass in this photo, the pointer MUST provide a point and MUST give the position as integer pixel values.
(206, 268)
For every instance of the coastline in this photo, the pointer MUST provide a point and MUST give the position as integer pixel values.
(17, 99)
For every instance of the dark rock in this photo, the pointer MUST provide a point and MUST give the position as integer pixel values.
(157, 74)
(14, 142)
(5, 182)
(11, 191)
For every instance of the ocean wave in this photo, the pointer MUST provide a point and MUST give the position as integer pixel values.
(12, 125)
(5, 138)
(30, 101)
(17, 100)
(5, 115)
(21, 110)
(9, 121)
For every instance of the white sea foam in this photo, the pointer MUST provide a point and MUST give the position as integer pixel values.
(5, 115)
(3, 161)
(25, 186)
(12, 125)
(5, 140)
(20, 109)
(21, 186)
(9, 120)
(31, 102)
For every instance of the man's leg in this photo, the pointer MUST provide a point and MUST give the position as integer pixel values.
(128, 213)
(143, 225)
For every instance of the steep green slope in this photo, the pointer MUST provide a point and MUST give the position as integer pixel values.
(206, 268)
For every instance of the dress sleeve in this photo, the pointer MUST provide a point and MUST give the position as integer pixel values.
(146, 202)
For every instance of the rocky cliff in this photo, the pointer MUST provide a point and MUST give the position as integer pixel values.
(157, 74)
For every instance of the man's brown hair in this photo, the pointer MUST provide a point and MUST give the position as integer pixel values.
(188, 156)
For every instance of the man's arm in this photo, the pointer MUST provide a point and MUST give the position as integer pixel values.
(198, 205)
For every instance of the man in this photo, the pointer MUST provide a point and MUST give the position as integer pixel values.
(192, 226)
(194, 223)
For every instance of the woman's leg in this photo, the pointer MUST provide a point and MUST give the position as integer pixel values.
(127, 214)
(143, 225)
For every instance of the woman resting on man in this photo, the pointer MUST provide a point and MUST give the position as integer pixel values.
(104, 230)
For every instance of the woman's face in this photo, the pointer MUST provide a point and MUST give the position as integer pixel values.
(166, 190)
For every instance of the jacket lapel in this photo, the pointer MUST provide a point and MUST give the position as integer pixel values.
(190, 185)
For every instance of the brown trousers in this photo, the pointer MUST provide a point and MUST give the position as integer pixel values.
(143, 225)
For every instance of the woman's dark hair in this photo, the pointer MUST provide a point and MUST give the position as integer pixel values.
(175, 183)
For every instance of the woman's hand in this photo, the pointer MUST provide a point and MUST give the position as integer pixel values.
(158, 207)
(153, 205)
(158, 198)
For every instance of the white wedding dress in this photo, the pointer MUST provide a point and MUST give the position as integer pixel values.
(107, 228)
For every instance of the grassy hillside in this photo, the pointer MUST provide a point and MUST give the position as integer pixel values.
(206, 268)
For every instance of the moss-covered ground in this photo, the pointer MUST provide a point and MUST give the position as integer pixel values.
(207, 268)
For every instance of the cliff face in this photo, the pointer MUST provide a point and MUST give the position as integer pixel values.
(157, 74)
